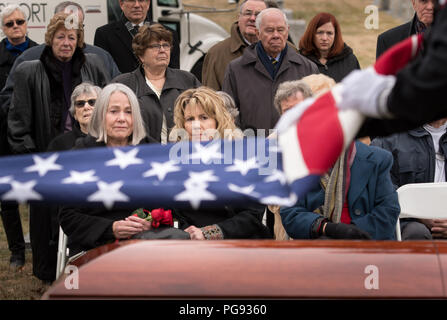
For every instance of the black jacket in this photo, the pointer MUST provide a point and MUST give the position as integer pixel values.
(414, 155)
(339, 66)
(6, 62)
(235, 223)
(390, 37)
(152, 109)
(66, 141)
(35, 115)
(117, 40)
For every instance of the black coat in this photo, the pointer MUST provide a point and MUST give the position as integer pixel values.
(235, 223)
(66, 141)
(339, 66)
(117, 40)
(152, 108)
(6, 62)
(35, 115)
(390, 37)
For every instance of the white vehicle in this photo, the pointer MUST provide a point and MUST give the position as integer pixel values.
(197, 34)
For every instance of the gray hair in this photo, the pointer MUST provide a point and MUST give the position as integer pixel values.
(61, 6)
(8, 10)
(288, 89)
(83, 88)
(267, 11)
(229, 104)
(96, 126)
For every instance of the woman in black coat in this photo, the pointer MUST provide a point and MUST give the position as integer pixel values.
(155, 84)
(323, 44)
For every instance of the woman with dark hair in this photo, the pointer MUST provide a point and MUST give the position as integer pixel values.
(155, 84)
(323, 44)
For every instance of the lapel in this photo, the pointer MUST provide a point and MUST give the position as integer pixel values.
(361, 170)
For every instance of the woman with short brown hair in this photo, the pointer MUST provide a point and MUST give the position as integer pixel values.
(155, 84)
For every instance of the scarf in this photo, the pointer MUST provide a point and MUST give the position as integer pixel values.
(18, 49)
(272, 69)
(334, 185)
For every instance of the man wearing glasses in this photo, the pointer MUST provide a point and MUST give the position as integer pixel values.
(14, 26)
(116, 37)
(243, 33)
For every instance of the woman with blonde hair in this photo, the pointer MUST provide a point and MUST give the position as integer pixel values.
(200, 115)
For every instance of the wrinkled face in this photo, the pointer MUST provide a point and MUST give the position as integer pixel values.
(324, 37)
(198, 124)
(291, 101)
(135, 10)
(157, 54)
(64, 43)
(83, 108)
(424, 10)
(14, 27)
(273, 33)
(247, 17)
(119, 119)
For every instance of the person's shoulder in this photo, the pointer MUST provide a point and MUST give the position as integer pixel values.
(374, 153)
(28, 65)
(219, 46)
(396, 32)
(108, 27)
(32, 53)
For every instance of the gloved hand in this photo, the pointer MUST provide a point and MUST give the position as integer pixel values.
(367, 91)
(345, 231)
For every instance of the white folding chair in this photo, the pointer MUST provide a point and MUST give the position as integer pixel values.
(422, 201)
(62, 253)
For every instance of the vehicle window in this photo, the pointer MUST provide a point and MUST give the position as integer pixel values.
(114, 11)
(168, 3)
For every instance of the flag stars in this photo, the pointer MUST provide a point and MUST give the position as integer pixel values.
(207, 153)
(43, 166)
(124, 159)
(22, 192)
(243, 166)
(108, 194)
(77, 177)
(161, 169)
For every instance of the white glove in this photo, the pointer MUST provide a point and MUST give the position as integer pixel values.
(367, 91)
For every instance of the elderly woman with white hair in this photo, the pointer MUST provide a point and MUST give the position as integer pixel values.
(116, 122)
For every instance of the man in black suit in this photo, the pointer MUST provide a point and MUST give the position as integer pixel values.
(422, 19)
(116, 37)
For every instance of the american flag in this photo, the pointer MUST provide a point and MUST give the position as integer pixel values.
(311, 136)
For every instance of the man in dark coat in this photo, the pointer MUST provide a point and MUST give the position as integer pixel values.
(116, 37)
(253, 78)
(243, 33)
(422, 19)
(14, 26)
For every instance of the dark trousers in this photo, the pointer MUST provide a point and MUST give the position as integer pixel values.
(44, 231)
(13, 227)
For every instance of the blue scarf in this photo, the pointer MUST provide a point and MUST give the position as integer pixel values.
(267, 61)
(17, 50)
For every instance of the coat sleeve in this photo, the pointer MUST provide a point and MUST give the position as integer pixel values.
(229, 85)
(381, 47)
(246, 223)
(381, 219)
(84, 229)
(209, 75)
(21, 112)
(298, 220)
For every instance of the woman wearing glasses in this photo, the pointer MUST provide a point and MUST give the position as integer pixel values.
(39, 112)
(155, 84)
(83, 101)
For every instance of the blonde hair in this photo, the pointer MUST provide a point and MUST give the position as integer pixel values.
(319, 83)
(213, 106)
(96, 126)
(57, 22)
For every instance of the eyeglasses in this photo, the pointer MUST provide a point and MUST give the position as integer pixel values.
(81, 103)
(18, 22)
(165, 46)
(135, 1)
(249, 13)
